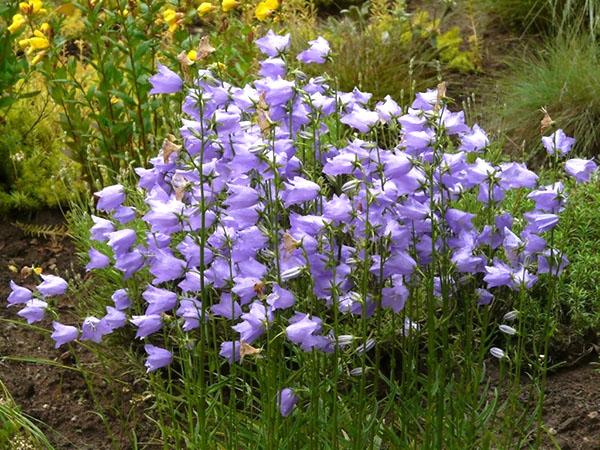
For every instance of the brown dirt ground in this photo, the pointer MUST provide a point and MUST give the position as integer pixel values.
(59, 398)
(55, 396)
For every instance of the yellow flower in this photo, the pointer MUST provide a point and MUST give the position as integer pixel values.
(172, 18)
(265, 8)
(205, 8)
(32, 7)
(114, 100)
(192, 55)
(45, 27)
(228, 5)
(37, 42)
(36, 59)
(17, 23)
(37, 270)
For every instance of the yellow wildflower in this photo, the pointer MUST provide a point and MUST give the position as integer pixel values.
(205, 8)
(37, 270)
(17, 23)
(45, 28)
(114, 100)
(172, 18)
(37, 42)
(228, 5)
(265, 8)
(192, 55)
(36, 59)
(32, 7)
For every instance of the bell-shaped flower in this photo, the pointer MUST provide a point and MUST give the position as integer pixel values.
(549, 198)
(121, 241)
(191, 311)
(299, 190)
(230, 350)
(121, 299)
(388, 109)
(52, 286)
(63, 334)
(580, 169)
(474, 141)
(338, 209)
(227, 307)
(101, 229)
(558, 142)
(360, 118)
(165, 81)
(254, 322)
(98, 260)
(114, 318)
(273, 44)
(94, 329)
(540, 222)
(395, 297)
(316, 53)
(303, 330)
(18, 294)
(159, 300)
(499, 274)
(166, 267)
(33, 311)
(286, 400)
(124, 214)
(129, 263)
(516, 175)
(280, 298)
(272, 68)
(147, 324)
(157, 357)
(110, 198)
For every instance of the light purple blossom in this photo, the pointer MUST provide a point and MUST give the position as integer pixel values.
(63, 334)
(580, 169)
(110, 198)
(157, 357)
(147, 324)
(165, 81)
(121, 299)
(94, 329)
(286, 399)
(52, 286)
(18, 294)
(317, 52)
(33, 311)
(558, 142)
(98, 260)
(273, 44)
(300, 190)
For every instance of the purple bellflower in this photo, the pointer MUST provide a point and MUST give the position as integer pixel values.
(165, 81)
(63, 334)
(157, 358)
(52, 286)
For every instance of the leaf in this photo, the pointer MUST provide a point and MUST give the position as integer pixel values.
(29, 94)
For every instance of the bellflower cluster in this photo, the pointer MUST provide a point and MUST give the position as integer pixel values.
(279, 204)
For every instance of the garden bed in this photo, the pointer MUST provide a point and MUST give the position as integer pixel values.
(58, 397)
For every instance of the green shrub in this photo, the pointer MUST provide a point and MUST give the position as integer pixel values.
(562, 77)
(34, 171)
(579, 236)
